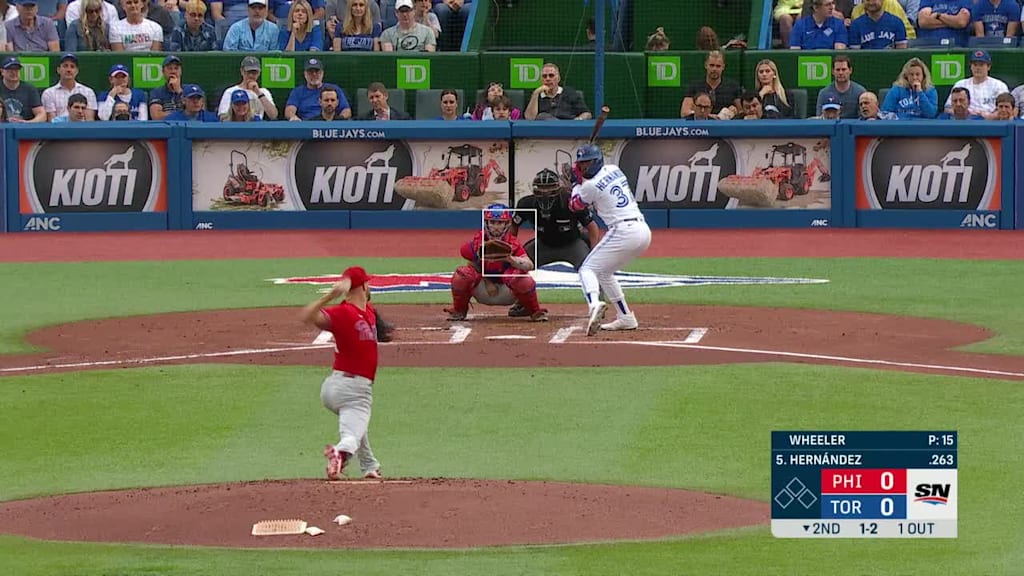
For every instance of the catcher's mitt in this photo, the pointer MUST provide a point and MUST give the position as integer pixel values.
(496, 249)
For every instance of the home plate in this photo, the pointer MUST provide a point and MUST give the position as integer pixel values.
(510, 337)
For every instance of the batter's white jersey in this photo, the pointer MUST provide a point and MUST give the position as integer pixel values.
(609, 196)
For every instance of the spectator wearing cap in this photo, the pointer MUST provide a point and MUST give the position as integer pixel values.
(55, 98)
(453, 16)
(329, 105)
(299, 33)
(408, 35)
(240, 110)
(945, 20)
(358, 31)
(91, 32)
(995, 18)
(121, 92)
(724, 92)
(304, 101)
(135, 32)
(30, 32)
(877, 29)
(983, 88)
(21, 99)
(76, 9)
(960, 106)
(77, 111)
(261, 101)
(842, 89)
(255, 33)
(195, 107)
(194, 34)
(485, 110)
(168, 98)
(819, 31)
(912, 96)
(832, 109)
(380, 109)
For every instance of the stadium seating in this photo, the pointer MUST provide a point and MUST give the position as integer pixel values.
(396, 98)
(428, 103)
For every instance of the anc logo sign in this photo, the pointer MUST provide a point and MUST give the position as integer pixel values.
(551, 276)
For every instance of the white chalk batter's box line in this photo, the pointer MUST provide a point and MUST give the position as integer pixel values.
(460, 333)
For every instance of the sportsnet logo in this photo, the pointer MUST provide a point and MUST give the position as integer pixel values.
(934, 494)
(552, 276)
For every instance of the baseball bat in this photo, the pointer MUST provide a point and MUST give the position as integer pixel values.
(600, 122)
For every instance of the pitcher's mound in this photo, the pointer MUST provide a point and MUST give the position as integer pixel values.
(437, 513)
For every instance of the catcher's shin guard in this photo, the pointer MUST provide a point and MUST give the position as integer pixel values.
(525, 291)
(464, 281)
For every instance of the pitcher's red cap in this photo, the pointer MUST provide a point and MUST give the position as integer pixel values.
(357, 275)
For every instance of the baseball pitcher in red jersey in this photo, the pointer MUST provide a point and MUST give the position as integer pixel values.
(508, 280)
(348, 390)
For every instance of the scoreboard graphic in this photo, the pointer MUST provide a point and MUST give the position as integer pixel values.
(863, 484)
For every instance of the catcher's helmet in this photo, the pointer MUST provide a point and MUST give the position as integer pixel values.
(497, 212)
(592, 156)
(546, 182)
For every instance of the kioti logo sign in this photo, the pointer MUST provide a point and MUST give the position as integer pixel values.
(678, 173)
(928, 173)
(350, 175)
(94, 176)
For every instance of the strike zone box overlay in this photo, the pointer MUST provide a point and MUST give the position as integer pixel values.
(864, 484)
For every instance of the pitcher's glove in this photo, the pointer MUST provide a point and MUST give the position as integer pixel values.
(385, 331)
(496, 249)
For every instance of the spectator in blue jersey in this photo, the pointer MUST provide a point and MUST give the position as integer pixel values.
(304, 101)
(195, 107)
(912, 96)
(255, 33)
(877, 29)
(358, 31)
(947, 20)
(279, 10)
(960, 100)
(996, 18)
(298, 33)
(842, 89)
(121, 92)
(819, 31)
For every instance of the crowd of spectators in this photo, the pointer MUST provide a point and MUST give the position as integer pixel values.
(912, 95)
(233, 25)
(881, 24)
(247, 101)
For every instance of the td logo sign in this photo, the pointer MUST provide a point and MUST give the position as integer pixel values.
(147, 72)
(277, 73)
(815, 71)
(663, 72)
(35, 70)
(525, 72)
(413, 73)
(947, 69)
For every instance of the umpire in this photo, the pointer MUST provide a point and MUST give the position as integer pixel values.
(562, 235)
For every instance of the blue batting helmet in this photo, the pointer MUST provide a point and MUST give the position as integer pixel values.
(591, 153)
(497, 212)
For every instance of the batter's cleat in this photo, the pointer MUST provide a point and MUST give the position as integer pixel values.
(539, 316)
(596, 315)
(627, 322)
(455, 315)
(373, 475)
(335, 462)
(518, 311)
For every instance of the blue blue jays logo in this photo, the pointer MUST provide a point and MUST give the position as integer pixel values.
(552, 276)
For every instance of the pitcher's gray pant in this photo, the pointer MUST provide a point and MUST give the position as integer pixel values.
(351, 397)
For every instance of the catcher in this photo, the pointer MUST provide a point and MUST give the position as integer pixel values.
(497, 253)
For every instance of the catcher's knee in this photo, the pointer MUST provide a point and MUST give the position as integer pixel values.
(522, 285)
(465, 279)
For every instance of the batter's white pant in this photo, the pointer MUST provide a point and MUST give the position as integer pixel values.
(351, 398)
(620, 245)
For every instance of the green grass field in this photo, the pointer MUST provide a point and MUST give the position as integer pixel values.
(696, 427)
